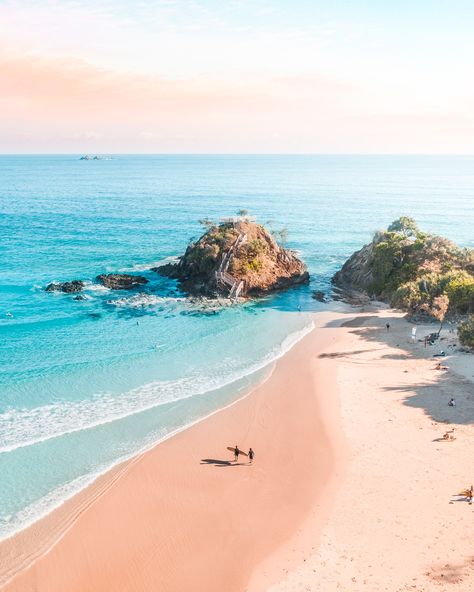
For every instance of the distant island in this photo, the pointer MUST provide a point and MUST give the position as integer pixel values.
(236, 257)
(427, 275)
(96, 157)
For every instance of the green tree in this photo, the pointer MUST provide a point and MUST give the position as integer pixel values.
(281, 236)
(466, 332)
(206, 222)
(405, 225)
(439, 308)
(460, 290)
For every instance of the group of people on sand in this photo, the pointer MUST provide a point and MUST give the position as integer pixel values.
(449, 435)
(237, 451)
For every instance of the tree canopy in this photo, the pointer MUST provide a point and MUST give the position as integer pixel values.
(405, 225)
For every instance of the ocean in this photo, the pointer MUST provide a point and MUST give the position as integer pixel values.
(86, 384)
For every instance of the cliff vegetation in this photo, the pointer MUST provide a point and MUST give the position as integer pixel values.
(424, 274)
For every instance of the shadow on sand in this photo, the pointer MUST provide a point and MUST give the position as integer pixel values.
(221, 463)
(432, 397)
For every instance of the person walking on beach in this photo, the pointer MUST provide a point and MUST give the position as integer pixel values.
(470, 494)
(387, 326)
(251, 455)
(236, 453)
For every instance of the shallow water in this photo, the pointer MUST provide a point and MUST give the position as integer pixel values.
(86, 383)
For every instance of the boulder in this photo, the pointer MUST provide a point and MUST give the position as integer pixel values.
(319, 296)
(121, 281)
(67, 287)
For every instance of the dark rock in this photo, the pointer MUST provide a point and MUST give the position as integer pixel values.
(66, 287)
(319, 295)
(170, 270)
(121, 281)
(357, 272)
(80, 297)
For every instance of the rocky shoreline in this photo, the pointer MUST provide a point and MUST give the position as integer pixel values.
(233, 260)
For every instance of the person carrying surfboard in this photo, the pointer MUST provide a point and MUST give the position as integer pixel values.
(236, 453)
(251, 455)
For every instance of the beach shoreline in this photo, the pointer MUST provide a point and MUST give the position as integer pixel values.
(50, 533)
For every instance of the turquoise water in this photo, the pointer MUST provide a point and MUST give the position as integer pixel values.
(84, 384)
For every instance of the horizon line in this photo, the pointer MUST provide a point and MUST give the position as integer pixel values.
(452, 154)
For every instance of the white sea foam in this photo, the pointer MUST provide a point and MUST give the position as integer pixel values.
(142, 299)
(91, 287)
(149, 266)
(26, 427)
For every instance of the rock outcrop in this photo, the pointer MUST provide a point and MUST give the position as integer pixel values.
(357, 272)
(236, 258)
(67, 287)
(412, 270)
(121, 281)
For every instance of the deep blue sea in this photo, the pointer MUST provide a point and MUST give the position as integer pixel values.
(85, 384)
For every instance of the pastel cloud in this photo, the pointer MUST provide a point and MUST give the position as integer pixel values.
(75, 101)
(234, 76)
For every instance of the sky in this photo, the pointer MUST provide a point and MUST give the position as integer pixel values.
(237, 76)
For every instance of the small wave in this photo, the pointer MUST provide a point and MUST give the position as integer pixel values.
(149, 266)
(91, 287)
(26, 427)
(10, 525)
(142, 300)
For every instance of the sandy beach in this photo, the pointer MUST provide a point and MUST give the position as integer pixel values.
(352, 487)
(396, 523)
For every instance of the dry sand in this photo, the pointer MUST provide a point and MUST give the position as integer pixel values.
(317, 511)
(396, 524)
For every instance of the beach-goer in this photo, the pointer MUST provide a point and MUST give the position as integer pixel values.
(470, 494)
(251, 455)
(452, 402)
(387, 326)
(236, 453)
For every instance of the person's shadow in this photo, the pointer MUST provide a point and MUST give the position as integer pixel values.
(219, 463)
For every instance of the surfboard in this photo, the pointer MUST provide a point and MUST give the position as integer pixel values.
(231, 448)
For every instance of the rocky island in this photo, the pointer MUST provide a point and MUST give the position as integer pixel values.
(96, 157)
(234, 258)
(426, 275)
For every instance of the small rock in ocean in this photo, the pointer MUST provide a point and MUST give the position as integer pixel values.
(319, 295)
(66, 287)
(121, 281)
